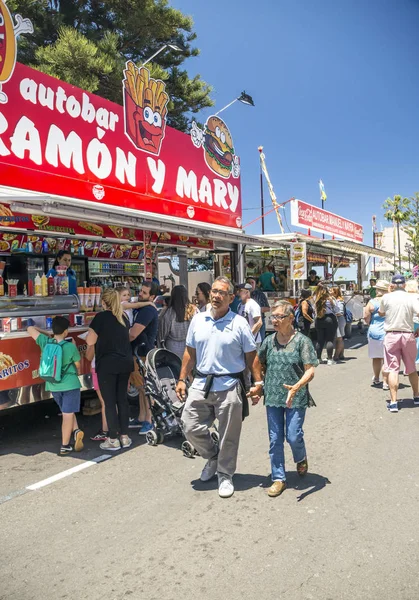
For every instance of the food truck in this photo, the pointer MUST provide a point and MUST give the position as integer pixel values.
(114, 186)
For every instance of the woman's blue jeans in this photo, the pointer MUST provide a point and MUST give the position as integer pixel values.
(285, 423)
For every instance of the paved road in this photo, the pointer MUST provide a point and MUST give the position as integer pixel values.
(141, 525)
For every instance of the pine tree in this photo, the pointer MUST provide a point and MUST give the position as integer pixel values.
(88, 43)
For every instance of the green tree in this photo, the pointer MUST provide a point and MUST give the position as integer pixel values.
(397, 210)
(87, 43)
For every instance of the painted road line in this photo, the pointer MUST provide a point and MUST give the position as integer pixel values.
(12, 495)
(68, 472)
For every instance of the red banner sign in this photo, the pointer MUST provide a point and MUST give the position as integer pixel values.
(19, 361)
(57, 139)
(310, 217)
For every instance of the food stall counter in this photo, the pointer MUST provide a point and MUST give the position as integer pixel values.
(20, 355)
(23, 334)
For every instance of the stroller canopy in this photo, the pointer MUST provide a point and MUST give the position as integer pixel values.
(163, 364)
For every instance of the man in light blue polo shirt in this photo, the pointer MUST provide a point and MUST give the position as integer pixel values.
(219, 345)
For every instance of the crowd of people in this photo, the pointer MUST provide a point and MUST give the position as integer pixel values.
(227, 359)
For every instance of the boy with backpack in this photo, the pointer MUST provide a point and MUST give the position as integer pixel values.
(59, 366)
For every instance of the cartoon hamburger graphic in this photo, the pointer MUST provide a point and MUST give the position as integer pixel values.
(218, 147)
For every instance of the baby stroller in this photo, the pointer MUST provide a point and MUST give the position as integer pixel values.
(162, 371)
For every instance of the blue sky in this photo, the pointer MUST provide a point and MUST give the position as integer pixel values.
(336, 88)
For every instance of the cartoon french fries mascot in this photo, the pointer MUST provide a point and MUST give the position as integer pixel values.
(145, 102)
(8, 46)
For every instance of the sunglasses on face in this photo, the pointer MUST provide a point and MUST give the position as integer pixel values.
(279, 317)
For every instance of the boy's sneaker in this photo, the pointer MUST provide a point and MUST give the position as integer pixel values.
(100, 436)
(145, 428)
(135, 424)
(393, 407)
(126, 441)
(331, 362)
(66, 450)
(78, 440)
(416, 401)
(386, 387)
(112, 445)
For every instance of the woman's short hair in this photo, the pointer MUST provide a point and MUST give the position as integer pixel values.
(305, 294)
(288, 309)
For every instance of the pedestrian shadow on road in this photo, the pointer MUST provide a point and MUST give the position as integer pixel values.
(407, 403)
(242, 482)
(312, 483)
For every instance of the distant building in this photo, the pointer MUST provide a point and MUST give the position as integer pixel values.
(387, 240)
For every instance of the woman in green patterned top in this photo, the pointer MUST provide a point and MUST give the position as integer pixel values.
(289, 359)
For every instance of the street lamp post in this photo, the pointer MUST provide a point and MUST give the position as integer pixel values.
(243, 98)
(171, 46)
(248, 100)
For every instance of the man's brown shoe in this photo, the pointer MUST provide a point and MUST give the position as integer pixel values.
(302, 467)
(277, 488)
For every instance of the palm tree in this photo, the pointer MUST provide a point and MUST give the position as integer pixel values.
(397, 210)
(412, 228)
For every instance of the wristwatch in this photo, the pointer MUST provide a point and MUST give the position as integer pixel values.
(259, 383)
(184, 380)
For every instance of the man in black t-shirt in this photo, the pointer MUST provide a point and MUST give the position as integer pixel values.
(143, 335)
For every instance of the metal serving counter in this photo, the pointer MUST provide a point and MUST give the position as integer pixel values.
(34, 306)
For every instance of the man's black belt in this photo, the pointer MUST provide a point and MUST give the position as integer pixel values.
(209, 380)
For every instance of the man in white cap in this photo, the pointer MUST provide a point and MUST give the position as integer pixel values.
(399, 308)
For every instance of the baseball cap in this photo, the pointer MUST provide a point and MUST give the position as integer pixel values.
(398, 279)
(246, 286)
(382, 284)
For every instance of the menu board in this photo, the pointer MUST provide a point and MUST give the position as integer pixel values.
(148, 256)
(17, 243)
(298, 259)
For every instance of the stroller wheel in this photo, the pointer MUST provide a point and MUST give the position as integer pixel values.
(160, 436)
(188, 450)
(151, 438)
(215, 436)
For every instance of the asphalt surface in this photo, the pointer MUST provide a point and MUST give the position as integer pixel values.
(141, 525)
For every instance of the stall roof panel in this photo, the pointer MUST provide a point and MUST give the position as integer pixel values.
(344, 246)
(22, 201)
